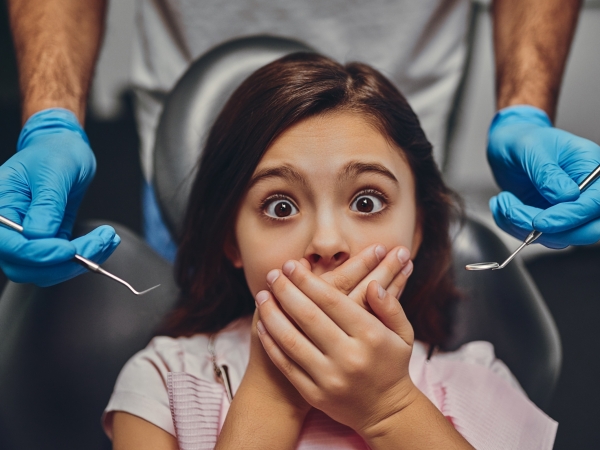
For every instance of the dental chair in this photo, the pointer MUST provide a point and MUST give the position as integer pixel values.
(62, 347)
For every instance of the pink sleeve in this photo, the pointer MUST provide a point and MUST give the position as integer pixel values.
(486, 409)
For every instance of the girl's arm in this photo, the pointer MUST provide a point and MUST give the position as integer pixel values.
(134, 433)
(266, 412)
(349, 363)
(419, 425)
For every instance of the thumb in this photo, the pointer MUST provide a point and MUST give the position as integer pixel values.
(45, 213)
(551, 181)
(389, 311)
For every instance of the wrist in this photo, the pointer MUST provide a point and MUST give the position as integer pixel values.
(520, 114)
(75, 106)
(388, 423)
(268, 396)
(48, 121)
(419, 425)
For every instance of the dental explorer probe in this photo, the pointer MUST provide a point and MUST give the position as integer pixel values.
(89, 265)
(534, 234)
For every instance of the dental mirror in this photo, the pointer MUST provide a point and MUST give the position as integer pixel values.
(483, 266)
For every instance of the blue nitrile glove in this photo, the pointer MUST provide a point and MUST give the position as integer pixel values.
(41, 187)
(540, 168)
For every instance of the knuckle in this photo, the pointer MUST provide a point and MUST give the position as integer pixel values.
(289, 341)
(335, 386)
(286, 367)
(355, 364)
(368, 264)
(318, 400)
(373, 338)
(330, 299)
(311, 315)
(343, 283)
(301, 276)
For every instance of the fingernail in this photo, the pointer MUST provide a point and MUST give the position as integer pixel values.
(260, 327)
(288, 268)
(380, 252)
(261, 297)
(403, 255)
(380, 291)
(272, 276)
(408, 268)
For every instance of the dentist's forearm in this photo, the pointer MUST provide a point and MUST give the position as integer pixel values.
(532, 39)
(57, 44)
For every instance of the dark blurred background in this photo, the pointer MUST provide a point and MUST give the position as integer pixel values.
(569, 281)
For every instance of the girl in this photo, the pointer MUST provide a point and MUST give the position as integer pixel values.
(316, 206)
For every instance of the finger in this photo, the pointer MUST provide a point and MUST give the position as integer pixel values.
(16, 249)
(306, 264)
(70, 214)
(398, 284)
(384, 273)
(314, 322)
(296, 345)
(586, 234)
(303, 383)
(98, 244)
(45, 213)
(508, 215)
(346, 277)
(389, 311)
(551, 181)
(517, 219)
(46, 269)
(569, 215)
(346, 314)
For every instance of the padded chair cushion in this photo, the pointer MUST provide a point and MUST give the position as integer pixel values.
(62, 347)
(505, 308)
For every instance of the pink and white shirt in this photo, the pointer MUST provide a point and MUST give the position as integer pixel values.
(172, 384)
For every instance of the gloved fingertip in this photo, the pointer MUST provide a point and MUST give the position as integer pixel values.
(557, 187)
(106, 233)
(568, 190)
(493, 203)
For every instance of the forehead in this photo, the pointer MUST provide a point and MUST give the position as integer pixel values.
(327, 142)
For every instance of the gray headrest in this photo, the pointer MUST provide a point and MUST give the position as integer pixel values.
(192, 107)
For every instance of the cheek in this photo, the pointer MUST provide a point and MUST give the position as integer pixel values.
(393, 230)
(263, 249)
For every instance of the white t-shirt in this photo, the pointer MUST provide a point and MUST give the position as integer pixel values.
(418, 44)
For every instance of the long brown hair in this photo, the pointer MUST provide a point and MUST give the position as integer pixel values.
(272, 99)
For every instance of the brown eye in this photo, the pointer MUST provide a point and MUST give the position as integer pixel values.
(281, 209)
(367, 204)
(364, 204)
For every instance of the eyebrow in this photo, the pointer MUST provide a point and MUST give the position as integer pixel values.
(352, 169)
(355, 168)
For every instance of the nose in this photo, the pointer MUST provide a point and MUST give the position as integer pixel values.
(328, 247)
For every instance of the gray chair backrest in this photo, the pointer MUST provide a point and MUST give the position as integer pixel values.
(192, 107)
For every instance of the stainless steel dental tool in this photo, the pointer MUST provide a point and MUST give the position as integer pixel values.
(533, 235)
(89, 265)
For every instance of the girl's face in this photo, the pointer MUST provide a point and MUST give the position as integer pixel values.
(327, 188)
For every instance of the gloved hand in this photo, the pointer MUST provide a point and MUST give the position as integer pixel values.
(540, 168)
(41, 187)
